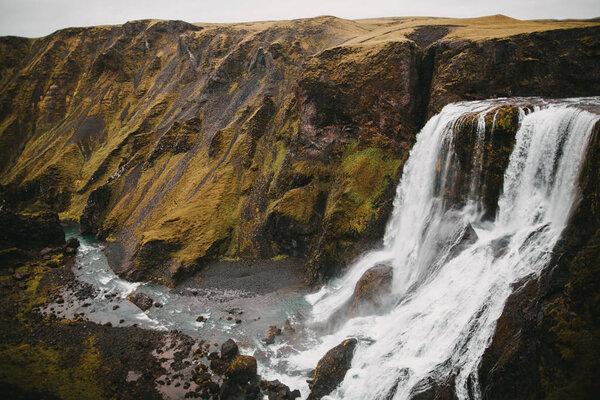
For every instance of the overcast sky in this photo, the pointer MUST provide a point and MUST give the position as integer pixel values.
(34, 18)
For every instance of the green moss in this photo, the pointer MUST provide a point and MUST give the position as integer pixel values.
(298, 204)
(44, 369)
(365, 176)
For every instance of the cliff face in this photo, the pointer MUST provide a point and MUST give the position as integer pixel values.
(191, 142)
(546, 343)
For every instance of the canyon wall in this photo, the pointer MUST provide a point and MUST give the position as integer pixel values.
(180, 143)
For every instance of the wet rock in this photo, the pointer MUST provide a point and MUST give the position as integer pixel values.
(332, 368)
(375, 283)
(287, 327)
(229, 350)
(276, 390)
(141, 300)
(71, 246)
(158, 305)
(73, 242)
(242, 369)
(200, 319)
(273, 331)
(500, 245)
(116, 306)
(467, 238)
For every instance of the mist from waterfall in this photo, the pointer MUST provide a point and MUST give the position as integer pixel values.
(447, 294)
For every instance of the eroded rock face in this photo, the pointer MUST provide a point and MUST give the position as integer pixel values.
(94, 210)
(546, 340)
(35, 231)
(332, 368)
(371, 289)
(226, 141)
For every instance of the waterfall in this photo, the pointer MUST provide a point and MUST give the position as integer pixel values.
(444, 304)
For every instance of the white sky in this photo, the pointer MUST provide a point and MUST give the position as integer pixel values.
(34, 18)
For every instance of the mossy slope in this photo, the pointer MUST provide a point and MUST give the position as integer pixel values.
(188, 142)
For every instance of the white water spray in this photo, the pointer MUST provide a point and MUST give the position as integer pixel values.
(444, 306)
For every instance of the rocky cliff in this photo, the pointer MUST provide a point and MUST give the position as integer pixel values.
(190, 142)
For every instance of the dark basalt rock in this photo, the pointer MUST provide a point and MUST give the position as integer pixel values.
(332, 368)
(91, 219)
(370, 289)
(30, 231)
(141, 300)
(276, 390)
(546, 343)
(229, 349)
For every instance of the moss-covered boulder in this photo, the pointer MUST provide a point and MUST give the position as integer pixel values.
(332, 368)
(242, 369)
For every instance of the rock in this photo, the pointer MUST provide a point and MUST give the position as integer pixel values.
(92, 216)
(500, 245)
(47, 251)
(20, 275)
(200, 319)
(467, 238)
(242, 369)
(273, 331)
(370, 289)
(332, 368)
(231, 390)
(141, 300)
(70, 251)
(276, 390)
(73, 242)
(229, 350)
(158, 305)
(71, 246)
(116, 306)
(287, 327)
(36, 231)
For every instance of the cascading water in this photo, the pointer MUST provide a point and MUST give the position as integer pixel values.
(445, 302)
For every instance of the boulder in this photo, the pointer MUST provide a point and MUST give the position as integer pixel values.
(242, 369)
(273, 331)
(276, 390)
(141, 300)
(332, 368)
(375, 283)
(229, 350)
(70, 248)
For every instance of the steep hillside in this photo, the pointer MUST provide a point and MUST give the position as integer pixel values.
(179, 143)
